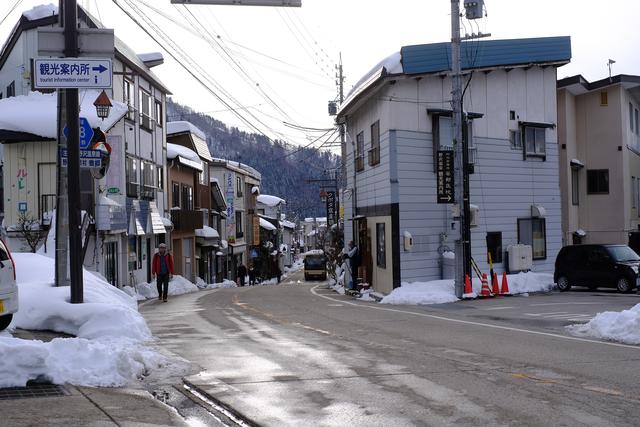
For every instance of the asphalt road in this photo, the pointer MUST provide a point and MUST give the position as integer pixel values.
(299, 354)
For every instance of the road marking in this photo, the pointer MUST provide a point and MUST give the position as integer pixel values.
(496, 308)
(546, 314)
(563, 303)
(486, 325)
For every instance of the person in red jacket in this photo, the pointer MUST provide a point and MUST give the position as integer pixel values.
(162, 269)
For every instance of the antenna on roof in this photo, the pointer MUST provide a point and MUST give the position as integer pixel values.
(611, 61)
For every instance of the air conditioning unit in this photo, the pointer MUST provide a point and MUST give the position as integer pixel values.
(520, 258)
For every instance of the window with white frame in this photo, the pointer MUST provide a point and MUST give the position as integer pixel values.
(129, 99)
(158, 113)
(575, 186)
(359, 155)
(374, 152)
(131, 171)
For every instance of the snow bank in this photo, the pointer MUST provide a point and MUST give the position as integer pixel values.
(621, 326)
(109, 347)
(442, 291)
(177, 286)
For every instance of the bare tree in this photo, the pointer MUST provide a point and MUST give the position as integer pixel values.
(29, 229)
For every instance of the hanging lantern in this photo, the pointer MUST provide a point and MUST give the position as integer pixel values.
(103, 105)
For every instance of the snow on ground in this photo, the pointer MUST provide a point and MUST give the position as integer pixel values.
(178, 285)
(442, 291)
(621, 326)
(109, 348)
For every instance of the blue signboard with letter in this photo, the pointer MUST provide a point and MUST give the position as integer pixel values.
(86, 133)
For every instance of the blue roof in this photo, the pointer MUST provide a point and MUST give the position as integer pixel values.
(430, 58)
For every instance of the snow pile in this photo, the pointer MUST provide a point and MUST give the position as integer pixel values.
(109, 349)
(297, 266)
(442, 291)
(41, 11)
(621, 326)
(420, 293)
(226, 283)
(177, 286)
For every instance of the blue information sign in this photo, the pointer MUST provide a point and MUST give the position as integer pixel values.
(86, 133)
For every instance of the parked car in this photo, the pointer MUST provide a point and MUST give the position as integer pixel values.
(315, 265)
(8, 287)
(597, 265)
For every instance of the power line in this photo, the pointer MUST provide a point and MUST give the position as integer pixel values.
(16, 4)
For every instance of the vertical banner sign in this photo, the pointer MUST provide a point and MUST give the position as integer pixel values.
(444, 171)
(229, 185)
(256, 230)
(115, 173)
(331, 208)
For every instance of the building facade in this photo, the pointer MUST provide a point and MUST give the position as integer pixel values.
(398, 117)
(599, 136)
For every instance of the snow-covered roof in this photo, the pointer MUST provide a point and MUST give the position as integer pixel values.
(207, 232)
(175, 150)
(267, 225)
(184, 126)
(37, 113)
(251, 171)
(255, 190)
(271, 201)
(287, 224)
(40, 11)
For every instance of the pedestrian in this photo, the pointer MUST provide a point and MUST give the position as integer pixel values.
(162, 270)
(252, 274)
(242, 274)
(354, 262)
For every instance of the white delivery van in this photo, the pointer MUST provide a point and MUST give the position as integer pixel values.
(8, 287)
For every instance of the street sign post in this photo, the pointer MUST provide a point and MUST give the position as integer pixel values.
(72, 73)
(89, 159)
(86, 133)
(445, 177)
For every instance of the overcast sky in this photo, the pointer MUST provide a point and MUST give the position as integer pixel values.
(278, 63)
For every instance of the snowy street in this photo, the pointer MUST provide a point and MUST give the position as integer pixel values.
(300, 354)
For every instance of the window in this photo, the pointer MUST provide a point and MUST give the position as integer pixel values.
(444, 133)
(515, 138)
(604, 98)
(158, 116)
(575, 186)
(512, 115)
(494, 246)
(635, 115)
(359, 158)
(160, 178)
(186, 198)
(534, 141)
(374, 152)
(148, 181)
(132, 176)
(11, 89)
(175, 195)
(133, 253)
(129, 99)
(381, 246)
(598, 181)
(203, 177)
(145, 109)
(239, 232)
(238, 186)
(532, 232)
(631, 116)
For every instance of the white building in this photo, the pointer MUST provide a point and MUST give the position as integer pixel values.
(128, 205)
(399, 116)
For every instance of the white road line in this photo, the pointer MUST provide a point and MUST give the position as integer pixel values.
(486, 325)
(546, 314)
(563, 303)
(495, 308)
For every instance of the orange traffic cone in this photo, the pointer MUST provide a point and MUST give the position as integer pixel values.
(505, 285)
(467, 285)
(485, 291)
(494, 285)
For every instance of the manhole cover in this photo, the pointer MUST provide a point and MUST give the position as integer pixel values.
(34, 390)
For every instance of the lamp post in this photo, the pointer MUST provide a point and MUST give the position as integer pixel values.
(103, 105)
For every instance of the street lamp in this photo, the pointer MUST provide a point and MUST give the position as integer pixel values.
(103, 105)
(281, 3)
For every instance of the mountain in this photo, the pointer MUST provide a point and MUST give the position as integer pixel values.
(284, 167)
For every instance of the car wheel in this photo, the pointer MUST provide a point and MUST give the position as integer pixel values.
(563, 283)
(623, 285)
(5, 321)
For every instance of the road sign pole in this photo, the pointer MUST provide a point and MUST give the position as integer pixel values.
(73, 153)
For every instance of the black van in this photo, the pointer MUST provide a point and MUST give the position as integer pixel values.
(597, 265)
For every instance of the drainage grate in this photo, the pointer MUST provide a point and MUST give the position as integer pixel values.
(31, 391)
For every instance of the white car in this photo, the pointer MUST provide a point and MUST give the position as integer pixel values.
(8, 287)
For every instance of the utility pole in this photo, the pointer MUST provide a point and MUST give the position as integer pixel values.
(69, 259)
(459, 165)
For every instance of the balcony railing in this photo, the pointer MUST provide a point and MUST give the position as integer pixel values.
(186, 220)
